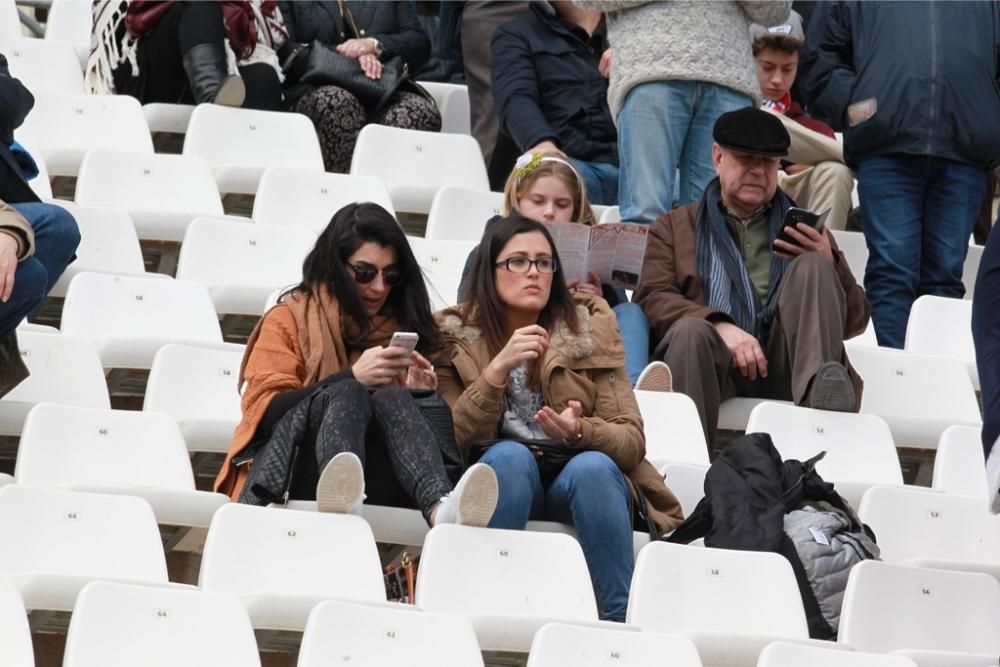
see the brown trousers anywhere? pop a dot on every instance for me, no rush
(808, 331)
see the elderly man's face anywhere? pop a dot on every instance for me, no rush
(747, 180)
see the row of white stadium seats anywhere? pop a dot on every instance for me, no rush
(506, 584)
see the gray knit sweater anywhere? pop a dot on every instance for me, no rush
(706, 40)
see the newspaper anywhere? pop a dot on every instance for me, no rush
(612, 251)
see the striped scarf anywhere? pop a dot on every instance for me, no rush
(727, 283)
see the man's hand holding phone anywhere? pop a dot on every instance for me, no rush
(803, 232)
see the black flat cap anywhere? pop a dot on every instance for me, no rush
(750, 130)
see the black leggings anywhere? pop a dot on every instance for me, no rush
(161, 52)
(384, 427)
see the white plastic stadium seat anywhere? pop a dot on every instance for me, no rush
(55, 542)
(163, 117)
(611, 214)
(240, 144)
(935, 617)
(384, 634)
(897, 390)
(730, 603)
(414, 165)
(197, 386)
(859, 448)
(108, 244)
(10, 22)
(687, 482)
(15, 635)
(452, 100)
(461, 215)
(958, 463)
(64, 369)
(121, 452)
(241, 264)
(561, 644)
(130, 318)
(162, 193)
(441, 263)
(673, 429)
(855, 250)
(70, 21)
(43, 65)
(866, 338)
(120, 625)
(282, 563)
(734, 413)
(310, 198)
(40, 184)
(785, 654)
(64, 126)
(971, 270)
(938, 325)
(508, 583)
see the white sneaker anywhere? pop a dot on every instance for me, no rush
(655, 377)
(473, 500)
(341, 486)
(993, 477)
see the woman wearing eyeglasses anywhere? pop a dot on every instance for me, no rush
(328, 408)
(538, 389)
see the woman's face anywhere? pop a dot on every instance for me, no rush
(369, 257)
(529, 291)
(548, 199)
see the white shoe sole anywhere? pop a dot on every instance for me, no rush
(232, 92)
(656, 377)
(341, 485)
(478, 498)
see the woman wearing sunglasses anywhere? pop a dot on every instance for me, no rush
(328, 404)
(536, 380)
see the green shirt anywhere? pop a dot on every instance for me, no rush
(752, 238)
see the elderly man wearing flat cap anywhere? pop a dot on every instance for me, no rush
(738, 311)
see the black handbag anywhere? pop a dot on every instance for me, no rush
(550, 455)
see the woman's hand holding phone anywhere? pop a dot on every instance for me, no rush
(421, 373)
(380, 366)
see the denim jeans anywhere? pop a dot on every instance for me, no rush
(634, 328)
(600, 179)
(986, 334)
(591, 494)
(919, 212)
(664, 129)
(56, 239)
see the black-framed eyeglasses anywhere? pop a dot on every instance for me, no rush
(365, 273)
(523, 264)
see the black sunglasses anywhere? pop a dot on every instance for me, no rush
(365, 273)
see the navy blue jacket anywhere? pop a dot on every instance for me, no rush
(15, 103)
(546, 86)
(930, 67)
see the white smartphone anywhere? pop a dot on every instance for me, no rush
(405, 339)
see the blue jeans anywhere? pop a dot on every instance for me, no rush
(56, 239)
(919, 212)
(986, 334)
(665, 128)
(590, 494)
(634, 328)
(600, 180)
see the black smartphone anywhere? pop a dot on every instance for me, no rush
(793, 217)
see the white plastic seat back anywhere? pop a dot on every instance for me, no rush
(680, 588)
(163, 193)
(561, 644)
(40, 184)
(913, 522)
(56, 541)
(958, 463)
(10, 22)
(893, 607)
(43, 65)
(673, 429)
(15, 635)
(414, 164)
(165, 117)
(130, 318)
(64, 369)
(65, 445)
(327, 555)
(855, 250)
(242, 264)
(118, 625)
(240, 144)
(896, 389)
(786, 654)
(461, 215)
(939, 325)
(610, 215)
(866, 338)
(70, 21)
(64, 126)
(310, 198)
(971, 270)
(687, 482)
(442, 263)
(197, 386)
(453, 102)
(370, 634)
(108, 244)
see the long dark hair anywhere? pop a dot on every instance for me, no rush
(326, 264)
(484, 307)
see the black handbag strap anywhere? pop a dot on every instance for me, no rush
(348, 17)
